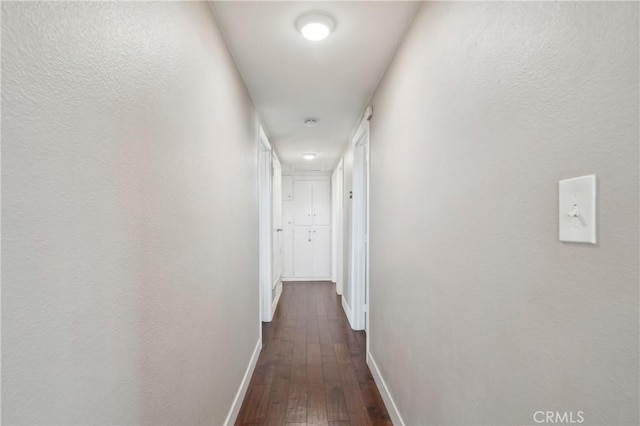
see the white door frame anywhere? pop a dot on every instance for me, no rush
(337, 192)
(265, 226)
(360, 230)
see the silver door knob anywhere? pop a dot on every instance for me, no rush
(279, 230)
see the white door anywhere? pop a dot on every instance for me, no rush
(276, 268)
(359, 231)
(302, 193)
(287, 237)
(358, 235)
(321, 239)
(287, 188)
(303, 256)
(265, 228)
(321, 202)
(337, 226)
(365, 231)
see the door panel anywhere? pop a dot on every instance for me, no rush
(303, 252)
(276, 221)
(321, 238)
(302, 190)
(287, 243)
(287, 188)
(321, 202)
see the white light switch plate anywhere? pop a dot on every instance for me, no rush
(577, 209)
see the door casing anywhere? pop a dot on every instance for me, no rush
(265, 230)
(359, 256)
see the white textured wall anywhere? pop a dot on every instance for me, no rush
(479, 314)
(129, 221)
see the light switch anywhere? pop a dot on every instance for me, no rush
(577, 209)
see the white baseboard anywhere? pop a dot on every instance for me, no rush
(347, 311)
(237, 401)
(392, 409)
(277, 299)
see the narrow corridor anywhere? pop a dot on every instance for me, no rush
(187, 185)
(312, 369)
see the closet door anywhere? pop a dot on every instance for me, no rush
(321, 238)
(276, 221)
(303, 252)
(287, 188)
(321, 202)
(287, 236)
(302, 202)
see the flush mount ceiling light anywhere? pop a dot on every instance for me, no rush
(315, 26)
(311, 122)
(309, 156)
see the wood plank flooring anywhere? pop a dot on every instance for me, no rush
(312, 369)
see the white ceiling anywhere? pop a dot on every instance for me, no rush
(291, 79)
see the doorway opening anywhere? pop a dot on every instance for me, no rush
(360, 230)
(270, 229)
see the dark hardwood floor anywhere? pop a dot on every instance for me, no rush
(312, 369)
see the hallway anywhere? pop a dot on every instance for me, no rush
(335, 213)
(312, 369)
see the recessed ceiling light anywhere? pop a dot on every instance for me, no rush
(309, 156)
(315, 26)
(311, 122)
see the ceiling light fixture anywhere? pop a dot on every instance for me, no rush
(311, 122)
(315, 26)
(309, 156)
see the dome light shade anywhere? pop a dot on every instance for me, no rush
(315, 26)
(309, 156)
